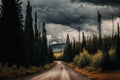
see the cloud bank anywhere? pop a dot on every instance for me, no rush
(100, 2)
(72, 14)
(69, 16)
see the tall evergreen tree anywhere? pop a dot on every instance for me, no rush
(44, 43)
(12, 38)
(39, 31)
(74, 48)
(118, 30)
(41, 54)
(112, 26)
(29, 35)
(68, 55)
(118, 45)
(99, 29)
(36, 44)
(79, 44)
(50, 54)
(94, 44)
(83, 45)
(36, 30)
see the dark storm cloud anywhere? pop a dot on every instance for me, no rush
(70, 13)
(101, 2)
(68, 16)
(61, 12)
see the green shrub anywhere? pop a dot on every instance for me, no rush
(76, 60)
(113, 60)
(105, 65)
(97, 59)
(104, 60)
(83, 60)
(100, 60)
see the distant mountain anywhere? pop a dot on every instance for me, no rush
(58, 47)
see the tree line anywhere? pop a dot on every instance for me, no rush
(22, 43)
(95, 43)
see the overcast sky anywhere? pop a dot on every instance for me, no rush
(67, 16)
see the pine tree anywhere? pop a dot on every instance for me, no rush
(83, 45)
(41, 54)
(68, 55)
(39, 31)
(44, 44)
(29, 35)
(94, 44)
(12, 38)
(44, 32)
(99, 29)
(50, 54)
(74, 52)
(79, 44)
(118, 45)
(36, 30)
(118, 30)
(112, 26)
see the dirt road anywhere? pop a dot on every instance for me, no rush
(59, 72)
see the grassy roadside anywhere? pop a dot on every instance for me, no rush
(96, 74)
(10, 73)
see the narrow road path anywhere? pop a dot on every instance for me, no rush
(59, 72)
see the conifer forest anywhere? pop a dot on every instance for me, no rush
(58, 39)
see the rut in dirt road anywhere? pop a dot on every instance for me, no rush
(59, 72)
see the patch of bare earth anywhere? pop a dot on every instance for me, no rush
(96, 74)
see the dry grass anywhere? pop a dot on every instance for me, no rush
(14, 72)
(100, 59)
(96, 73)
(58, 54)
